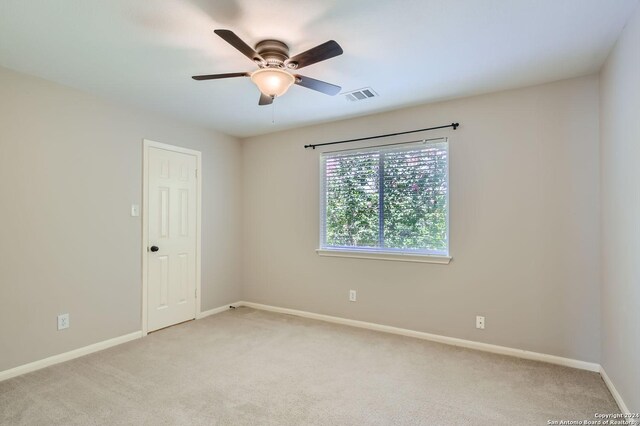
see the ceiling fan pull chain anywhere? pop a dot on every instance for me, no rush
(273, 113)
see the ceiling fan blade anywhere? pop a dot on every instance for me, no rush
(317, 85)
(217, 76)
(231, 38)
(316, 54)
(265, 99)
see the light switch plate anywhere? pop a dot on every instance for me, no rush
(135, 210)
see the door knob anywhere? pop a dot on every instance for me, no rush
(154, 249)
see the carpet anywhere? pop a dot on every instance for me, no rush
(251, 367)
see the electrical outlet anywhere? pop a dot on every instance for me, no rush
(480, 322)
(352, 295)
(63, 321)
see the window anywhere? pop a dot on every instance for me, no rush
(390, 199)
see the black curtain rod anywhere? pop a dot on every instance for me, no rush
(454, 125)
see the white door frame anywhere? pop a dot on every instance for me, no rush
(145, 225)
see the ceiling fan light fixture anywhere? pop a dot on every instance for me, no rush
(272, 81)
(272, 56)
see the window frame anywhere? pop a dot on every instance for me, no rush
(399, 254)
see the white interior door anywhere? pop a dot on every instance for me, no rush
(172, 226)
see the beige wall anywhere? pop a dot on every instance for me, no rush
(524, 220)
(70, 168)
(525, 208)
(620, 153)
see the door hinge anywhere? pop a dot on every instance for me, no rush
(196, 293)
(196, 173)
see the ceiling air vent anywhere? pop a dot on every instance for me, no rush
(360, 94)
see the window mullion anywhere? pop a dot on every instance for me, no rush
(381, 200)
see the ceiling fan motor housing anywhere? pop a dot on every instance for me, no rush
(274, 75)
(275, 53)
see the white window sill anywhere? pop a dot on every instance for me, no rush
(399, 257)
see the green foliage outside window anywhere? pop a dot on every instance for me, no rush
(411, 186)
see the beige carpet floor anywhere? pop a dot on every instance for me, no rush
(249, 367)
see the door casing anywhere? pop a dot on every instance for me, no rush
(145, 223)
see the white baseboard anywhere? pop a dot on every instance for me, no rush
(67, 356)
(217, 310)
(86, 350)
(615, 394)
(486, 347)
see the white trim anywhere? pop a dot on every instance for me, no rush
(217, 310)
(389, 146)
(86, 350)
(67, 356)
(615, 394)
(198, 233)
(385, 255)
(393, 255)
(146, 143)
(486, 347)
(145, 235)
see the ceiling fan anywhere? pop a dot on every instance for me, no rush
(272, 57)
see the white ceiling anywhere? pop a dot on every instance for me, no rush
(410, 51)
